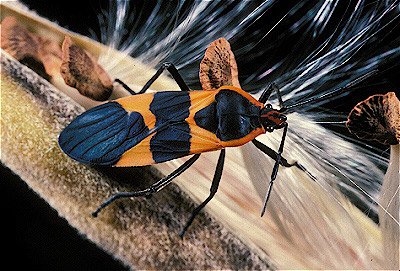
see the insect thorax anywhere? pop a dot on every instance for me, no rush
(230, 116)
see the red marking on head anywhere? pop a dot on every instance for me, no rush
(274, 116)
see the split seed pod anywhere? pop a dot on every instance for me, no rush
(376, 118)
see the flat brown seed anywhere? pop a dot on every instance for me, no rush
(80, 70)
(22, 45)
(376, 118)
(218, 67)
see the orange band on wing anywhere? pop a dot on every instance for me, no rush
(140, 103)
(140, 155)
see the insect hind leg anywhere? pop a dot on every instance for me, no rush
(153, 189)
(213, 191)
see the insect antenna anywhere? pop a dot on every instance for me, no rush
(332, 93)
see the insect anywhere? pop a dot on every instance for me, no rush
(149, 128)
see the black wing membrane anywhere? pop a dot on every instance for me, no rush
(101, 135)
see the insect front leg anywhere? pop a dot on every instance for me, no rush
(268, 91)
(273, 154)
(213, 190)
(282, 161)
(153, 189)
(275, 168)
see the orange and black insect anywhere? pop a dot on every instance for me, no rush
(149, 128)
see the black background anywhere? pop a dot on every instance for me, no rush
(39, 238)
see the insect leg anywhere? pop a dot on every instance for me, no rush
(271, 153)
(268, 91)
(173, 71)
(213, 190)
(125, 86)
(283, 162)
(153, 189)
(275, 169)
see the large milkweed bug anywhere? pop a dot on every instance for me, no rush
(149, 128)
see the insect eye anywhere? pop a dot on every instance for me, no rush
(268, 106)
